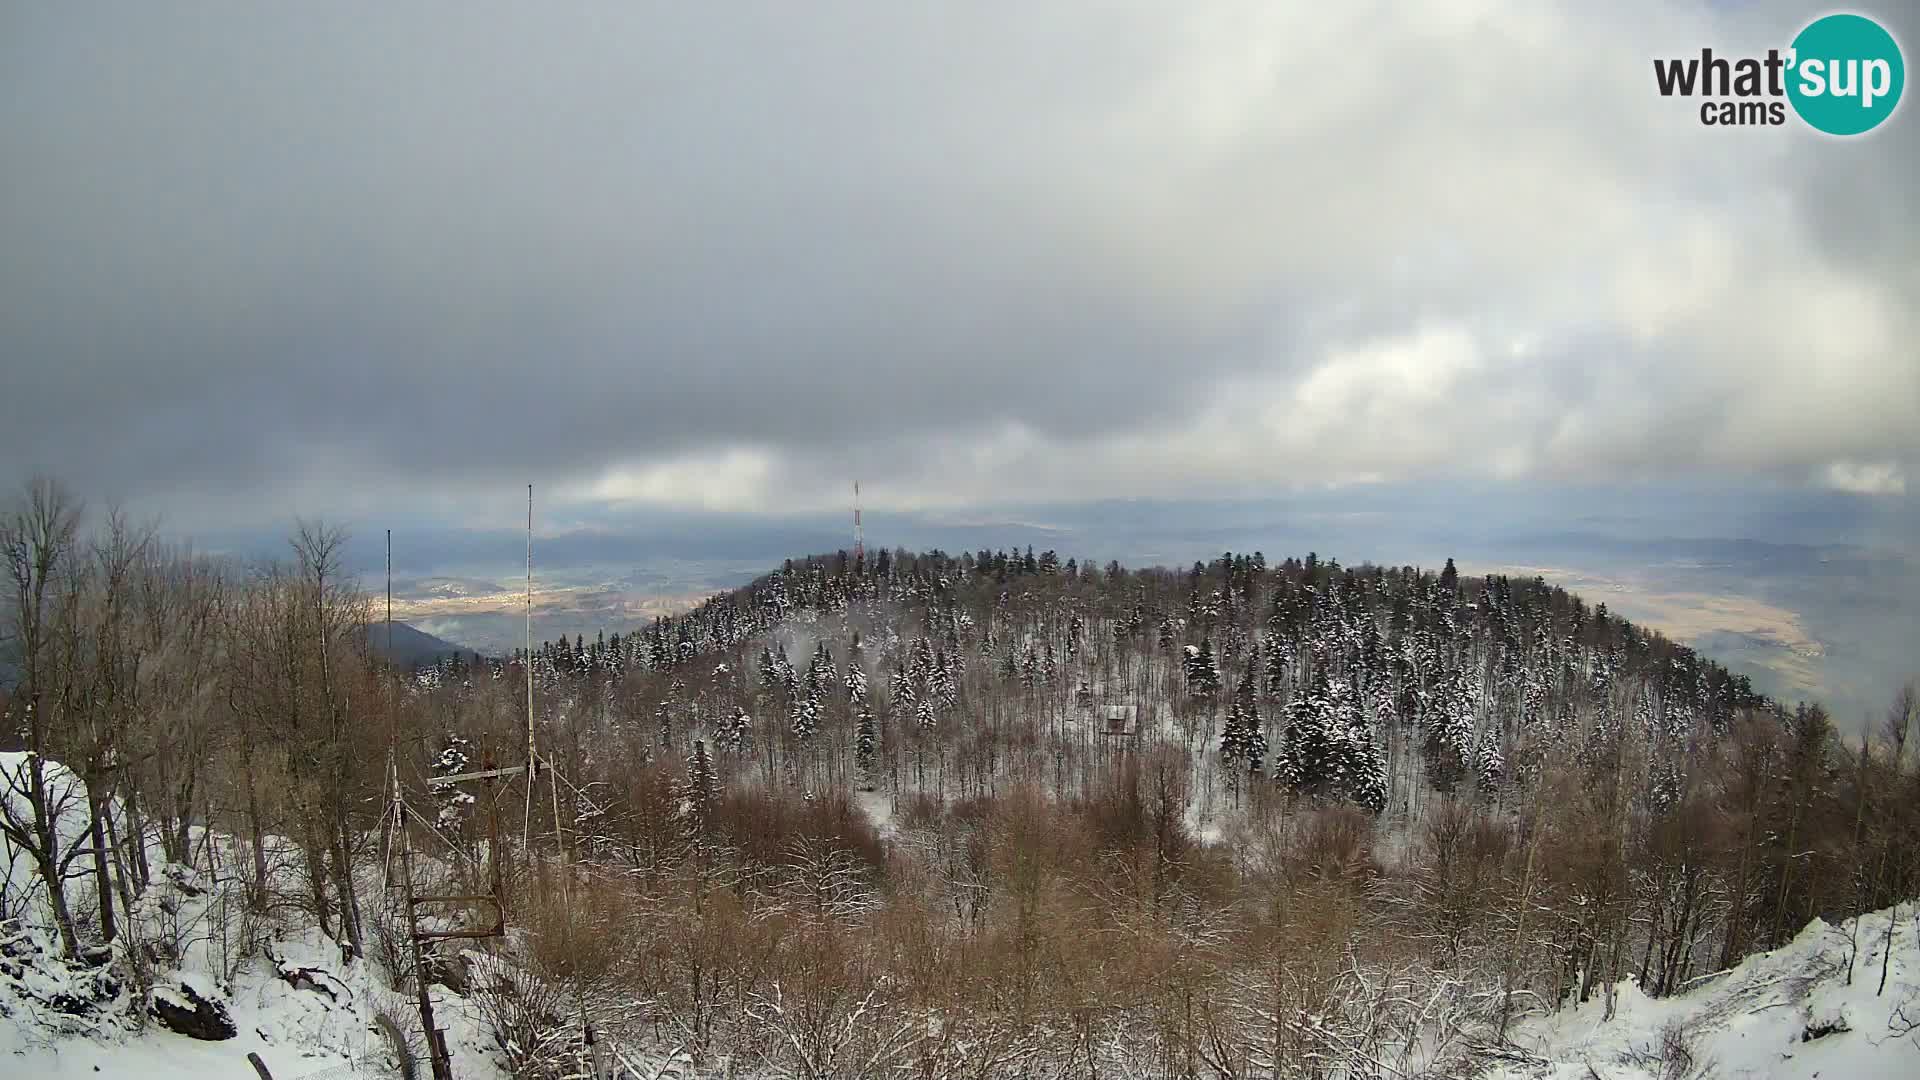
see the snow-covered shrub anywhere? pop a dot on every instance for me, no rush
(1674, 1055)
(527, 1016)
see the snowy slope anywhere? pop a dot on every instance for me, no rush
(67, 796)
(1790, 1014)
(297, 1006)
(292, 1001)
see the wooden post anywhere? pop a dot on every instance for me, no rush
(494, 876)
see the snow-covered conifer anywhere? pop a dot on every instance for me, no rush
(702, 789)
(856, 680)
(455, 805)
(1203, 673)
(735, 731)
(1242, 742)
(864, 743)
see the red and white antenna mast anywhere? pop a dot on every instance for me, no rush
(859, 536)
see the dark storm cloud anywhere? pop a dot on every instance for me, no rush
(727, 255)
(381, 236)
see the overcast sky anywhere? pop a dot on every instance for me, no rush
(353, 259)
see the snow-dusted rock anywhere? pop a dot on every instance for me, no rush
(190, 1007)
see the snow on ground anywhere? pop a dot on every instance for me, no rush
(1789, 1014)
(67, 796)
(879, 809)
(297, 1005)
(293, 1000)
(1793, 1013)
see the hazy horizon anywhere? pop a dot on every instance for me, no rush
(1812, 594)
(1181, 285)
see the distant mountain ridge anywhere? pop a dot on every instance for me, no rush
(410, 647)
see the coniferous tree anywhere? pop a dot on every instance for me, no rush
(1328, 748)
(864, 744)
(900, 690)
(734, 732)
(1203, 673)
(820, 672)
(455, 805)
(944, 676)
(856, 675)
(1365, 767)
(1305, 760)
(1450, 728)
(664, 714)
(1243, 745)
(1279, 666)
(702, 788)
(804, 714)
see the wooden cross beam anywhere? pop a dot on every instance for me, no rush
(483, 774)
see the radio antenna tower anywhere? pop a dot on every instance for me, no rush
(859, 537)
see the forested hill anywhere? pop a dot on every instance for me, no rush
(1483, 674)
(1306, 616)
(1685, 818)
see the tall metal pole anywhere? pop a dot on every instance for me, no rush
(393, 729)
(530, 759)
(436, 1043)
(533, 764)
(559, 837)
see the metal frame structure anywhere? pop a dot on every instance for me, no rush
(421, 940)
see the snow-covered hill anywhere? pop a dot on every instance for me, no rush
(1796, 1013)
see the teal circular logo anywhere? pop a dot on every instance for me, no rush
(1846, 74)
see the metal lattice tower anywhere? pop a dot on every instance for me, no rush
(859, 536)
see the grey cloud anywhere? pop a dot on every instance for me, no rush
(252, 259)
